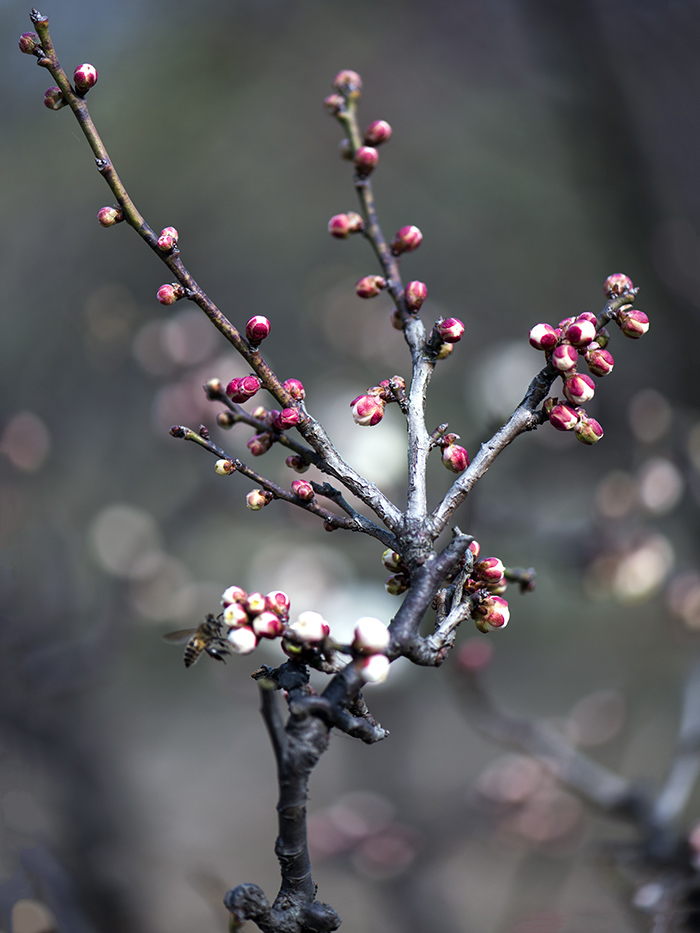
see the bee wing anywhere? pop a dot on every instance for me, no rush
(179, 637)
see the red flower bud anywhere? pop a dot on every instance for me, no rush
(564, 358)
(259, 444)
(53, 98)
(169, 294)
(297, 463)
(240, 390)
(367, 410)
(455, 458)
(108, 216)
(303, 490)
(617, 284)
(287, 418)
(369, 286)
(406, 239)
(633, 323)
(588, 430)
(366, 159)
(563, 418)
(84, 77)
(28, 42)
(543, 337)
(348, 83)
(377, 133)
(257, 329)
(580, 332)
(415, 294)
(579, 388)
(600, 362)
(450, 329)
(295, 389)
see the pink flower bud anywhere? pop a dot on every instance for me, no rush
(53, 98)
(564, 358)
(333, 104)
(259, 444)
(377, 133)
(489, 569)
(268, 625)
(455, 458)
(543, 337)
(617, 284)
(633, 323)
(169, 294)
(310, 627)
(579, 388)
(580, 332)
(406, 240)
(371, 635)
(588, 430)
(367, 410)
(224, 467)
(370, 285)
(492, 613)
(563, 418)
(374, 669)
(392, 560)
(242, 640)
(600, 362)
(257, 499)
(84, 77)
(366, 159)
(108, 216)
(255, 603)
(450, 330)
(257, 329)
(240, 390)
(415, 294)
(277, 601)
(287, 418)
(348, 83)
(303, 490)
(28, 42)
(233, 594)
(396, 584)
(295, 389)
(297, 463)
(235, 615)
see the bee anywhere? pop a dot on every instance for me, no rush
(206, 637)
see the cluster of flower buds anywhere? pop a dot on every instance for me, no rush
(577, 337)
(167, 241)
(454, 457)
(249, 617)
(368, 410)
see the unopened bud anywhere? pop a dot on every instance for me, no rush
(633, 323)
(295, 389)
(617, 284)
(563, 418)
(366, 159)
(169, 294)
(224, 467)
(297, 463)
(109, 216)
(377, 133)
(406, 240)
(543, 337)
(374, 669)
(455, 458)
(303, 490)
(257, 329)
(564, 358)
(53, 98)
(599, 362)
(579, 388)
(310, 627)
(84, 77)
(257, 499)
(348, 83)
(588, 430)
(369, 286)
(371, 635)
(415, 294)
(242, 640)
(29, 42)
(367, 410)
(450, 330)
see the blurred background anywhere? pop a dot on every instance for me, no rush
(539, 146)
